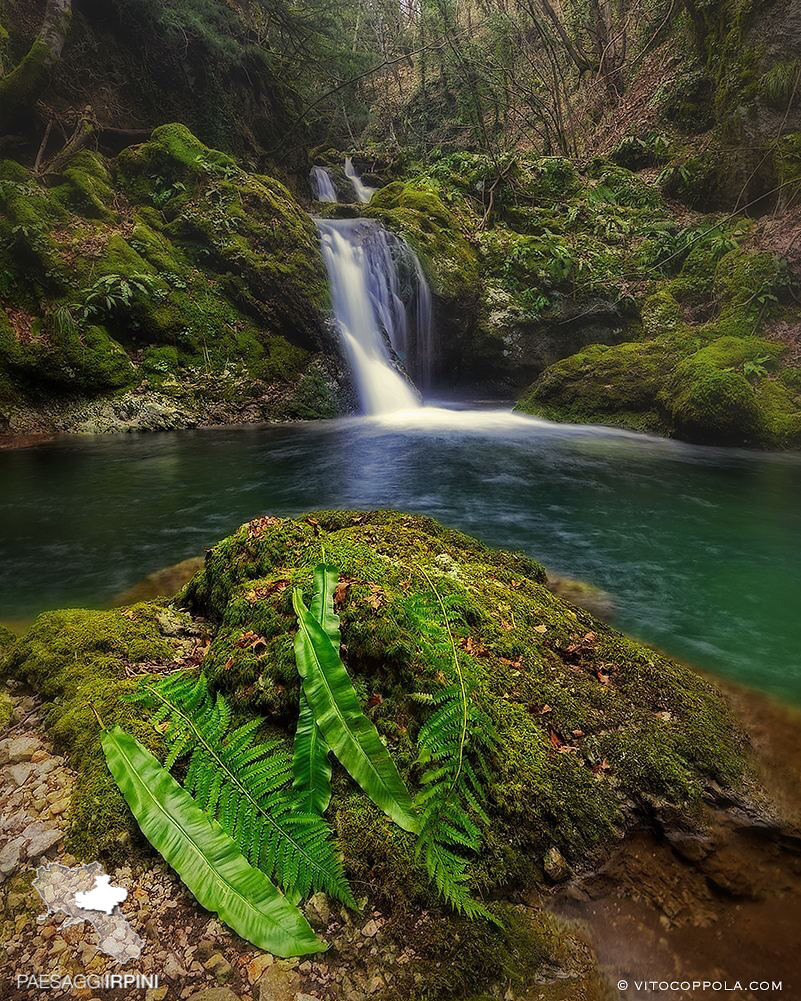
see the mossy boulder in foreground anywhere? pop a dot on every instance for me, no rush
(595, 730)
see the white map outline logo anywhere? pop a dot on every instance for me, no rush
(85, 893)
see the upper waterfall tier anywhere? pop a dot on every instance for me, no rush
(382, 306)
(322, 185)
(362, 191)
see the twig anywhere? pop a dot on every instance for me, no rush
(43, 146)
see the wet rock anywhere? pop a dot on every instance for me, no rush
(690, 846)
(555, 866)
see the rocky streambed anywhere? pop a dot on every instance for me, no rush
(640, 824)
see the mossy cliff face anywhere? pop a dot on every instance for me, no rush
(716, 381)
(594, 728)
(168, 273)
(583, 283)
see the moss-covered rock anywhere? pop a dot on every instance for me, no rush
(419, 214)
(168, 264)
(81, 663)
(616, 385)
(711, 381)
(591, 725)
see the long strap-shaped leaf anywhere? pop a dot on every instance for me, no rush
(322, 603)
(302, 859)
(347, 731)
(310, 765)
(203, 855)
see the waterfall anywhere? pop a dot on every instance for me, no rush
(361, 190)
(322, 185)
(382, 305)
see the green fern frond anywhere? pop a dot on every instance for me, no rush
(310, 765)
(453, 745)
(244, 786)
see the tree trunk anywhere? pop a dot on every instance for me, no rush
(23, 86)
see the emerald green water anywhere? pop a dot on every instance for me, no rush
(700, 547)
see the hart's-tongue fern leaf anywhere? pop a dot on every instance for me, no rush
(310, 764)
(244, 785)
(453, 746)
(203, 855)
(348, 732)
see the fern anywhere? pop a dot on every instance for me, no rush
(310, 765)
(454, 744)
(243, 785)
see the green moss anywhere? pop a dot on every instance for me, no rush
(77, 660)
(455, 959)
(28, 214)
(499, 605)
(698, 180)
(6, 712)
(87, 187)
(172, 160)
(660, 313)
(612, 385)
(420, 215)
(779, 403)
(20, 89)
(711, 403)
(588, 721)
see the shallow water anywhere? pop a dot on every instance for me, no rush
(700, 547)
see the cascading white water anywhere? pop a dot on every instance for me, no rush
(364, 264)
(322, 185)
(362, 191)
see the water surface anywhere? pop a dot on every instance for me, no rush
(700, 547)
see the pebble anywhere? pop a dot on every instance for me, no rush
(10, 856)
(19, 773)
(219, 966)
(23, 748)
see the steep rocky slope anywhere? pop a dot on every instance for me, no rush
(162, 288)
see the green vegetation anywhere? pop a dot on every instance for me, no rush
(241, 784)
(167, 270)
(574, 704)
(203, 855)
(344, 726)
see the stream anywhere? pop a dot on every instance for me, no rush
(699, 547)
